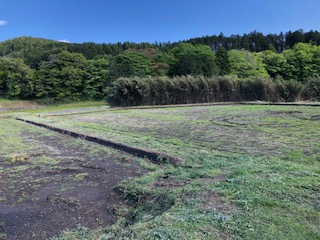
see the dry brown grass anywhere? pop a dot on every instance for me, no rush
(18, 104)
(18, 158)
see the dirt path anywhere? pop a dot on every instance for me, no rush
(64, 183)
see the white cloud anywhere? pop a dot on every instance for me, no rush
(3, 22)
(64, 40)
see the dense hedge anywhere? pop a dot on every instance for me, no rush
(189, 89)
(311, 90)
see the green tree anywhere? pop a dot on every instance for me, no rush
(16, 78)
(130, 64)
(161, 63)
(193, 60)
(316, 60)
(62, 77)
(302, 62)
(96, 77)
(223, 61)
(246, 65)
(274, 63)
(160, 60)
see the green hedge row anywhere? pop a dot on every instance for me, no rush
(197, 89)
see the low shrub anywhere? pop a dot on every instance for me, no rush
(311, 90)
(289, 91)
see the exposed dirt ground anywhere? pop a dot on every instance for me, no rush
(64, 183)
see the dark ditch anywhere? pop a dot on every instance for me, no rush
(155, 156)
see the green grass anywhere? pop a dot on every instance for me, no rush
(249, 172)
(2, 100)
(252, 130)
(80, 176)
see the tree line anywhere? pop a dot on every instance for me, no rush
(33, 68)
(34, 50)
(257, 41)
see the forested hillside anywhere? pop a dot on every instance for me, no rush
(34, 68)
(257, 42)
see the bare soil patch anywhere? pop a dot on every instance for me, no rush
(66, 183)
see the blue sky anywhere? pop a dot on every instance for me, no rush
(112, 21)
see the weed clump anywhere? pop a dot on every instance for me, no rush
(15, 158)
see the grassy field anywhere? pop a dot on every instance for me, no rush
(249, 172)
